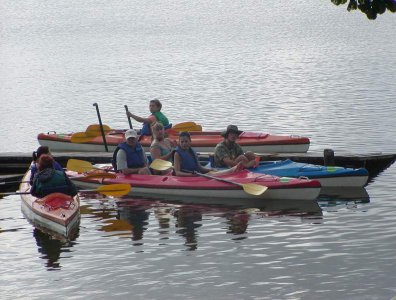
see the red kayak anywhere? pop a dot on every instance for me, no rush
(202, 141)
(208, 190)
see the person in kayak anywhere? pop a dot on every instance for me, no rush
(186, 161)
(129, 157)
(155, 107)
(161, 147)
(36, 155)
(228, 153)
(48, 180)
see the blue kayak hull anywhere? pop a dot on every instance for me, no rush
(328, 176)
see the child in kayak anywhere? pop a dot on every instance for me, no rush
(186, 161)
(36, 155)
(48, 180)
(156, 116)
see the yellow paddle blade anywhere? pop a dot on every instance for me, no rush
(81, 137)
(79, 166)
(94, 130)
(254, 189)
(116, 190)
(183, 125)
(187, 126)
(160, 164)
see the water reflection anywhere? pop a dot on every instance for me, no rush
(51, 246)
(137, 217)
(188, 218)
(369, 7)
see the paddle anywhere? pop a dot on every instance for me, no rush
(82, 166)
(116, 190)
(128, 117)
(94, 175)
(160, 165)
(90, 133)
(186, 126)
(249, 188)
(101, 127)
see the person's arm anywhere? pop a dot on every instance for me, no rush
(177, 166)
(122, 164)
(149, 120)
(155, 151)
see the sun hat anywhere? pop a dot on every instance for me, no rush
(231, 128)
(130, 133)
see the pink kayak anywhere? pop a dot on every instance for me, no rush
(57, 213)
(207, 190)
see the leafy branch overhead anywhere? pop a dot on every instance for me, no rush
(370, 7)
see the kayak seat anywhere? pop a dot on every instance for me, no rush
(56, 201)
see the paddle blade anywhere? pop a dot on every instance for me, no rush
(160, 164)
(94, 130)
(79, 166)
(187, 126)
(183, 125)
(254, 189)
(80, 137)
(115, 190)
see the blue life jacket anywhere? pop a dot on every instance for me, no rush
(135, 157)
(188, 159)
(146, 129)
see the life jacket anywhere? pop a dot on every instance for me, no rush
(51, 181)
(188, 159)
(161, 118)
(34, 169)
(135, 157)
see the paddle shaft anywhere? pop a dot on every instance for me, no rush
(13, 182)
(129, 118)
(101, 126)
(216, 178)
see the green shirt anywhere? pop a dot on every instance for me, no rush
(161, 118)
(222, 152)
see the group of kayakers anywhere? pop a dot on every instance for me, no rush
(130, 157)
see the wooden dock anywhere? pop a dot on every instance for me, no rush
(375, 163)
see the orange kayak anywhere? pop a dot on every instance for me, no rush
(204, 141)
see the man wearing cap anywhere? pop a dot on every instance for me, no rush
(228, 153)
(130, 157)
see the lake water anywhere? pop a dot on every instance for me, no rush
(285, 67)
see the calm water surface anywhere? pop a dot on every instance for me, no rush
(298, 67)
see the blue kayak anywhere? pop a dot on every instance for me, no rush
(328, 176)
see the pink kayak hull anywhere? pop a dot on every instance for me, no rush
(57, 213)
(205, 188)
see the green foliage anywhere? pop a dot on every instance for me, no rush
(369, 7)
